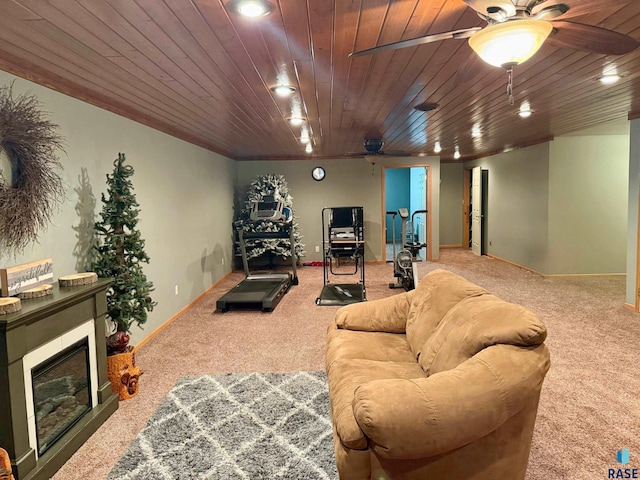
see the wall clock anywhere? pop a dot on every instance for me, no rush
(318, 173)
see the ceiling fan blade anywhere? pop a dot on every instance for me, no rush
(395, 153)
(590, 38)
(462, 33)
(551, 12)
(577, 8)
(487, 7)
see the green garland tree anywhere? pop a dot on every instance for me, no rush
(120, 254)
(261, 186)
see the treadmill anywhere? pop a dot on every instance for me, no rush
(262, 291)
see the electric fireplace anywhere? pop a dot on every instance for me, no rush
(54, 388)
(61, 394)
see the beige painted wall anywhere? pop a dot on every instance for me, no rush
(588, 196)
(560, 207)
(185, 194)
(451, 207)
(517, 216)
(632, 212)
(349, 182)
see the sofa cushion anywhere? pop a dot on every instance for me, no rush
(436, 293)
(345, 376)
(344, 344)
(475, 324)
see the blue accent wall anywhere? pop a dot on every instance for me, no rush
(398, 195)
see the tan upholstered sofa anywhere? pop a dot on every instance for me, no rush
(441, 382)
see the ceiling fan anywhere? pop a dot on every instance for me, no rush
(373, 147)
(516, 29)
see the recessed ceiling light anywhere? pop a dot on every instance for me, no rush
(283, 90)
(475, 131)
(251, 8)
(610, 78)
(456, 154)
(296, 121)
(308, 148)
(437, 148)
(525, 110)
(304, 135)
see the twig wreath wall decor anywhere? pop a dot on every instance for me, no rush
(30, 188)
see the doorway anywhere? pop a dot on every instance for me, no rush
(475, 202)
(406, 187)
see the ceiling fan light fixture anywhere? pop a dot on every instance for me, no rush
(251, 8)
(510, 43)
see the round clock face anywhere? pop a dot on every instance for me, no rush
(318, 173)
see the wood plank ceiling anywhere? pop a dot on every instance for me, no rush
(198, 71)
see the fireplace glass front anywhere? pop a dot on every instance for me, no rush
(61, 393)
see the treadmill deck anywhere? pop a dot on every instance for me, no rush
(262, 292)
(342, 294)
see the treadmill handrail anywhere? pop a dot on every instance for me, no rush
(257, 235)
(264, 235)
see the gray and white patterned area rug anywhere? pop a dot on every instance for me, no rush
(236, 426)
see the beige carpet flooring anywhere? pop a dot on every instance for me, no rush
(589, 408)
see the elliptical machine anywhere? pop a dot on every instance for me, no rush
(405, 267)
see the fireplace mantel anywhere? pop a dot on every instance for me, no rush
(39, 321)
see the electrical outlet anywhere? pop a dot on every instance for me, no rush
(177, 290)
(317, 248)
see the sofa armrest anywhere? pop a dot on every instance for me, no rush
(405, 419)
(382, 315)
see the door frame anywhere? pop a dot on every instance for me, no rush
(636, 307)
(428, 181)
(466, 203)
(466, 209)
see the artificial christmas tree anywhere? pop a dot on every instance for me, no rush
(120, 255)
(269, 185)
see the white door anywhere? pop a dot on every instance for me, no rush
(476, 210)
